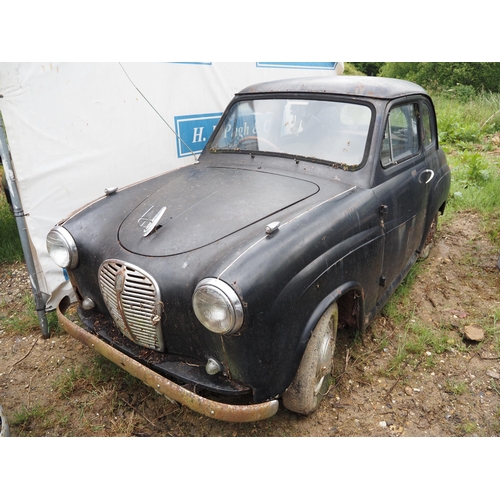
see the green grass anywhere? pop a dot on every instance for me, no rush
(10, 243)
(398, 305)
(27, 318)
(494, 330)
(94, 374)
(417, 343)
(456, 387)
(463, 123)
(28, 417)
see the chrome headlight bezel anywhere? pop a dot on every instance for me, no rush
(211, 294)
(62, 248)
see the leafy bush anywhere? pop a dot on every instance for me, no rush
(475, 168)
(464, 78)
(368, 68)
(351, 70)
(476, 186)
(466, 123)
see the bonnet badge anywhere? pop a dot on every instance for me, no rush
(150, 222)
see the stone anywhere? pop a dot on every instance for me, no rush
(474, 332)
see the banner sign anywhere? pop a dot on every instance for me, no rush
(193, 132)
(299, 65)
(75, 129)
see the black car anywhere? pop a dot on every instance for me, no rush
(222, 284)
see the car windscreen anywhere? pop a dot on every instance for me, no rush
(330, 131)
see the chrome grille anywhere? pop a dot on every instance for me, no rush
(132, 297)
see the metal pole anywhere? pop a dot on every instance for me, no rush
(23, 230)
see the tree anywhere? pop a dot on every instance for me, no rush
(368, 68)
(478, 75)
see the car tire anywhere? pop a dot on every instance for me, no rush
(430, 240)
(314, 376)
(4, 426)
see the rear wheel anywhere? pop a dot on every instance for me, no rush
(430, 240)
(314, 376)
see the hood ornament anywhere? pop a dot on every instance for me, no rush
(149, 223)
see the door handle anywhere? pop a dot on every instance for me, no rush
(423, 175)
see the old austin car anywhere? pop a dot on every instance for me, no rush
(222, 284)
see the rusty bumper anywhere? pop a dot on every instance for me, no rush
(207, 407)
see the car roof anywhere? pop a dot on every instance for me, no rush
(357, 86)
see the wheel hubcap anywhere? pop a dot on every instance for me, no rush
(324, 364)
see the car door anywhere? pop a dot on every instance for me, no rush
(403, 190)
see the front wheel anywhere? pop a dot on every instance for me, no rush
(314, 376)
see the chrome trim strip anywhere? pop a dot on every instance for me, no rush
(285, 224)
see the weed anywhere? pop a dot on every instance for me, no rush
(495, 388)
(494, 331)
(397, 306)
(105, 371)
(26, 319)
(88, 377)
(467, 119)
(455, 387)
(65, 384)
(476, 167)
(468, 428)
(417, 341)
(496, 423)
(27, 417)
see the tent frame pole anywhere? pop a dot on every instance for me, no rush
(22, 229)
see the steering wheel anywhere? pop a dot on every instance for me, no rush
(259, 139)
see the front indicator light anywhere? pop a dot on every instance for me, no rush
(217, 306)
(62, 248)
(88, 304)
(213, 366)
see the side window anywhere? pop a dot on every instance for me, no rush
(400, 135)
(426, 122)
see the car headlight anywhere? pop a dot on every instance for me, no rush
(62, 248)
(217, 306)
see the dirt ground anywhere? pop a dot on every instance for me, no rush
(58, 387)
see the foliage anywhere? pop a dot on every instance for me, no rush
(464, 78)
(475, 76)
(468, 131)
(368, 68)
(351, 70)
(476, 186)
(476, 169)
(465, 124)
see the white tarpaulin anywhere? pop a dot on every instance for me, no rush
(75, 129)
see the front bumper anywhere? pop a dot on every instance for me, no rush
(204, 406)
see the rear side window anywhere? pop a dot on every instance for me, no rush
(426, 126)
(401, 134)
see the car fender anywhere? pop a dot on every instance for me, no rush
(437, 200)
(332, 297)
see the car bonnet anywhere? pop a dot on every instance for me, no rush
(205, 205)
